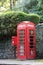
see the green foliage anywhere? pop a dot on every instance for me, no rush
(39, 37)
(9, 21)
(32, 6)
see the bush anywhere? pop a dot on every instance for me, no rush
(9, 21)
(39, 37)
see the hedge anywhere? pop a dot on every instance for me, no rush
(9, 21)
(39, 40)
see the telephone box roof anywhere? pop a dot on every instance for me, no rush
(26, 23)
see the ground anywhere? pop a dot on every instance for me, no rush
(26, 62)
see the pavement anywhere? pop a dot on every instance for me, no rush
(21, 62)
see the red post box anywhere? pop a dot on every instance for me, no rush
(14, 40)
(14, 46)
(26, 44)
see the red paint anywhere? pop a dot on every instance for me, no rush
(14, 40)
(26, 40)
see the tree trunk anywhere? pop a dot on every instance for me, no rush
(11, 4)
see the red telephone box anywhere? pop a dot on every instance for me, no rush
(26, 44)
(31, 41)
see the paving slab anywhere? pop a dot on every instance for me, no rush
(21, 62)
